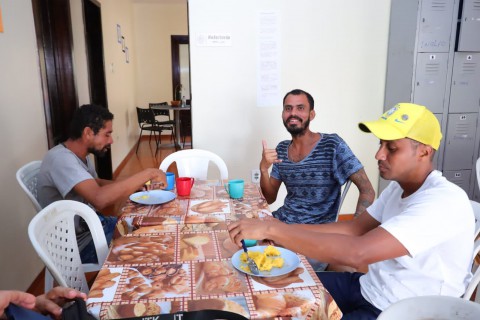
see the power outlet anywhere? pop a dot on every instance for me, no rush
(256, 175)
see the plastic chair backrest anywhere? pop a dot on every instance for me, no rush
(194, 163)
(346, 186)
(27, 179)
(160, 112)
(477, 169)
(52, 234)
(476, 211)
(475, 280)
(432, 307)
(145, 116)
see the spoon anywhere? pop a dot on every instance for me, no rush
(251, 264)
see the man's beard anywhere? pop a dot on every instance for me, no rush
(99, 153)
(297, 130)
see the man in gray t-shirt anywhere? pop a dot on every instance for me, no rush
(67, 172)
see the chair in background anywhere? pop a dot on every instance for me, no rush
(146, 122)
(432, 307)
(52, 234)
(194, 163)
(345, 187)
(476, 211)
(167, 123)
(475, 281)
(27, 179)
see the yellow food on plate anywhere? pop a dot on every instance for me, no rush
(266, 260)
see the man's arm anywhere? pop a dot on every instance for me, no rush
(365, 189)
(101, 195)
(268, 184)
(352, 243)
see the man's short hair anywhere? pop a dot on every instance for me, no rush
(297, 92)
(91, 116)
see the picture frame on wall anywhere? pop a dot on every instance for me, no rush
(119, 33)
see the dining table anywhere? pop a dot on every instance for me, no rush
(176, 116)
(175, 255)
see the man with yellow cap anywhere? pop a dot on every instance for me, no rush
(417, 237)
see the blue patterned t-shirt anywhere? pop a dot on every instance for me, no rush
(314, 183)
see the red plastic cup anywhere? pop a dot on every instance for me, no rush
(184, 185)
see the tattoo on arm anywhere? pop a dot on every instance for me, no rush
(366, 192)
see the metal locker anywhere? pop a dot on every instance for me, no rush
(469, 35)
(465, 90)
(438, 158)
(430, 79)
(435, 25)
(460, 141)
(460, 177)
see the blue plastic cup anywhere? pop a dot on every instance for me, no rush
(170, 180)
(235, 188)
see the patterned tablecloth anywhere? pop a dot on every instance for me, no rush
(177, 257)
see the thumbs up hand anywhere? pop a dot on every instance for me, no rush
(269, 157)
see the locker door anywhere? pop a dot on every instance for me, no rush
(435, 25)
(469, 36)
(460, 177)
(465, 91)
(430, 79)
(460, 141)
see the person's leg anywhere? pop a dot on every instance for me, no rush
(88, 253)
(108, 223)
(345, 290)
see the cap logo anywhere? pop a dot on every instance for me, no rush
(404, 117)
(391, 111)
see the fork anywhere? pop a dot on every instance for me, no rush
(251, 264)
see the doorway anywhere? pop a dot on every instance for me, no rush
(96, 74)
(181, 78)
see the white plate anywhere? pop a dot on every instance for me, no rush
(152, 197)
(291, 262)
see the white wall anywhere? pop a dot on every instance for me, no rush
(120, 76)
(23, 139)
(336, 50)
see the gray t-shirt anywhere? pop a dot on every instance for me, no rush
(61, 170)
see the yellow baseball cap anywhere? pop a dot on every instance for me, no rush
(406, 120)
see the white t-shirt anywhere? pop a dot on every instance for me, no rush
(436, 225)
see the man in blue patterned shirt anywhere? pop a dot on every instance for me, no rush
(313, 166)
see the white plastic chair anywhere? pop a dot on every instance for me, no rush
(27, 179)
(52, 234)
(194, 163)
(346, 186)
(477, 169)
(432, 307)
(475, 281)
(476, 211)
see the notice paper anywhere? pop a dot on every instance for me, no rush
(268, 59)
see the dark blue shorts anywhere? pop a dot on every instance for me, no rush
(88, 254)
(345, 290)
